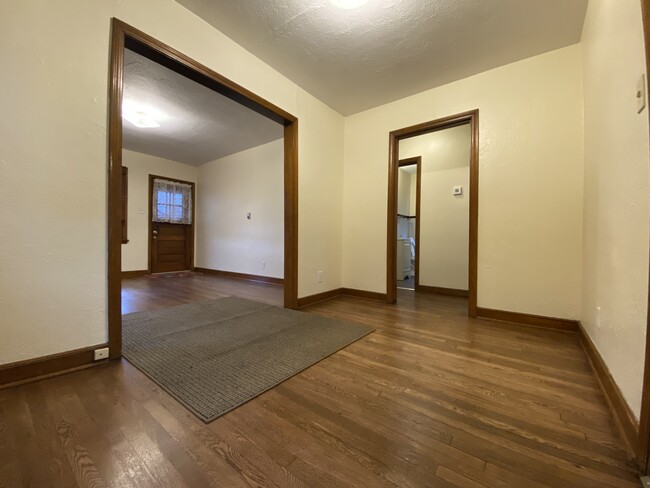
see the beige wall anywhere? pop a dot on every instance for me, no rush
(615, 266)
(404, 192)
(444, 218)
(135, 254)
(249, 181)
(530, 218)
(53, 162)
(321, 196)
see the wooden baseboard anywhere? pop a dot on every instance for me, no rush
(48, 366)
(135, 274)
(319, 297)
(366, 295)
(337, 292)
(241, 276)
(528, 319)
(621, 411)
(437, 290)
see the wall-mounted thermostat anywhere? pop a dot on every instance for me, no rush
(458, 190)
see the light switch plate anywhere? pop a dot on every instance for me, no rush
(640, 94)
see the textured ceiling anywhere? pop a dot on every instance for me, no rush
(197, 125)
(388, 49)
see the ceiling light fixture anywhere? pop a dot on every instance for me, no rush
(348, 4)
(138, 116)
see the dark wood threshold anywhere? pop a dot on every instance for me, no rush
(337, 292)
(566, 325)
(135, 274)
(437, 290)
(48, 366)
(621, 411)
(241, 276)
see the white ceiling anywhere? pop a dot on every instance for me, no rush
(388, 49)
(197, 125)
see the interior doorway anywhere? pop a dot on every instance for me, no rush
(408, 222)
(450, 227)
(125, 37)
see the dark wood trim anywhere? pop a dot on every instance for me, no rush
(621, 411)
(566, 325)
(47, 366)
(437, 290)
(123, 35)
(135, 273)
(643, 446)
(125, 205)
(471, 118)
(410, 161)
(118, 36)
(291, 215)
(319, 297)
(366, 295)
(241, 276)
(338, 292)
(190, 247)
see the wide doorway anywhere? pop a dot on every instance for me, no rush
(197, 201)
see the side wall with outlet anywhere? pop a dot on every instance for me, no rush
(444, 217)
(250, 181)
(616, 192)
(530, 182)
(135, 253)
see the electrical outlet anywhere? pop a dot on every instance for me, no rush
(320, 276)
(101, 353)
(598, 317)
(263, 264)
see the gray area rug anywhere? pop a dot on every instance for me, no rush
(213, 356)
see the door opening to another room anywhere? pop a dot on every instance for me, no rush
(408, 210)
(433, 208)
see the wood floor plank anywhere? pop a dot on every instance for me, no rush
(432, 398)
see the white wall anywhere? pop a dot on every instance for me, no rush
(404, 197)
(404, 192)
(248, 181)
(530, 184)
(53, 162)
(615, 266)
(135, 253)
(444, 217)
(321, 196)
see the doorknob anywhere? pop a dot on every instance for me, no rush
(155, 232)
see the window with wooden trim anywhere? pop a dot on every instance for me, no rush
(125, 201)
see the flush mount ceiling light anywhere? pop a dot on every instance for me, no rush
(348, 4)
(138, 115)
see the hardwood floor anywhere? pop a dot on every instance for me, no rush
(430, 399)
